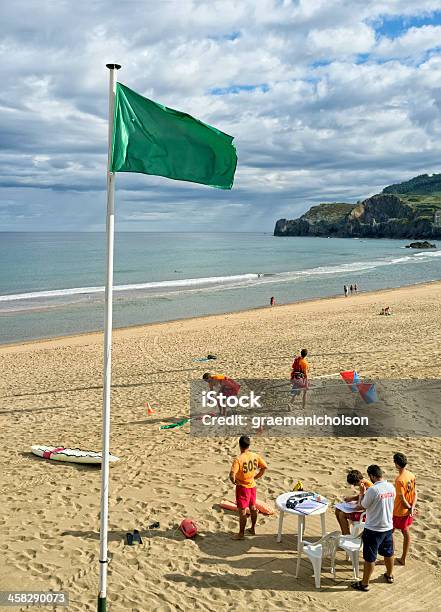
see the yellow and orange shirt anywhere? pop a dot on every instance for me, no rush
(227, 385)
(244, 469)
(218, 377)
(299, 365)
(404, 485)
(367, 483)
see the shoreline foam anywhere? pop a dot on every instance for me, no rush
(139, 327)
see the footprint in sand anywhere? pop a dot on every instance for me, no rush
(428, 498)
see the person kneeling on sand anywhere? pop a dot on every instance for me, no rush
(354, 478)
(244, 474)
(227, 387)
(405, 501)
(377, 536)
(386, 311)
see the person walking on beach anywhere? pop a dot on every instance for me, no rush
(405, 501)
(272, 301)
(351, 289)
(245, 470)
(355, 288)
(300, 376)
(227, 387)
(377, 537)
(345, 289)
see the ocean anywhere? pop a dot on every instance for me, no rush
(51, 284)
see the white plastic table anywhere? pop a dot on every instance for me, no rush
(281, 505)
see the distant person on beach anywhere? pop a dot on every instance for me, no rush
(227, 386)
(300, 376)
(377, 537)
(355, 288)
(245, 470)
(351, 289)
(405, 502)
(345, 290)
(386, 311)
(272, 301)
(356, 479)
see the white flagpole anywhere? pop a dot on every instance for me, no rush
(102, 596)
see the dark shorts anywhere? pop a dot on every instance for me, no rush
(377, 543)
(245, 497)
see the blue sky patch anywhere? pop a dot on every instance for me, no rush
(235, 89)
(394, 27)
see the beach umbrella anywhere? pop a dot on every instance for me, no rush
(351, 378)
(149, 138)
(368, 392)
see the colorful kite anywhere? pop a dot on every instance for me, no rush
(368, 392)
(351, 378)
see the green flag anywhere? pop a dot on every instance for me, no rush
(153, 139)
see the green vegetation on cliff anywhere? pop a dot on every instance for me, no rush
(405, 210)
(421, 185)
(332, 211)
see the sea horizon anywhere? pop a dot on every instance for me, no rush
(51, 287)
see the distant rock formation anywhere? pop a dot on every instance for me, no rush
(390, 214)
(421, 245)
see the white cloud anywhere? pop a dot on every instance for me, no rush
(412, 44)
(346, 41)
(323, 126)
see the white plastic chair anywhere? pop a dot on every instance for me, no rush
(358, 526)
(326, 547)
(352, 546)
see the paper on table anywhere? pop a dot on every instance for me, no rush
(347, 507)
(307, 507)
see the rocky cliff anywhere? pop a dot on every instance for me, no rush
(390, 214)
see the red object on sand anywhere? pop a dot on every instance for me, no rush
(188, 528)
(150, 409)
(47, 454)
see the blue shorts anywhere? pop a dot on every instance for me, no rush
(297, 386)
(377, 543)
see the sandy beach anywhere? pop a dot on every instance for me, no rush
(51, 393)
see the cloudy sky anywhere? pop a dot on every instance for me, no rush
(327, 100)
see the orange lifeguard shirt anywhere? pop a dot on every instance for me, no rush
(302, 366)
(367, 483)
(228, 385)
(299, 365)
(244, 468)
(404, 485)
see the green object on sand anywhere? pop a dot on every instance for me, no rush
(173, 425)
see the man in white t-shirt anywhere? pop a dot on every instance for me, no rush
(378, 501)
